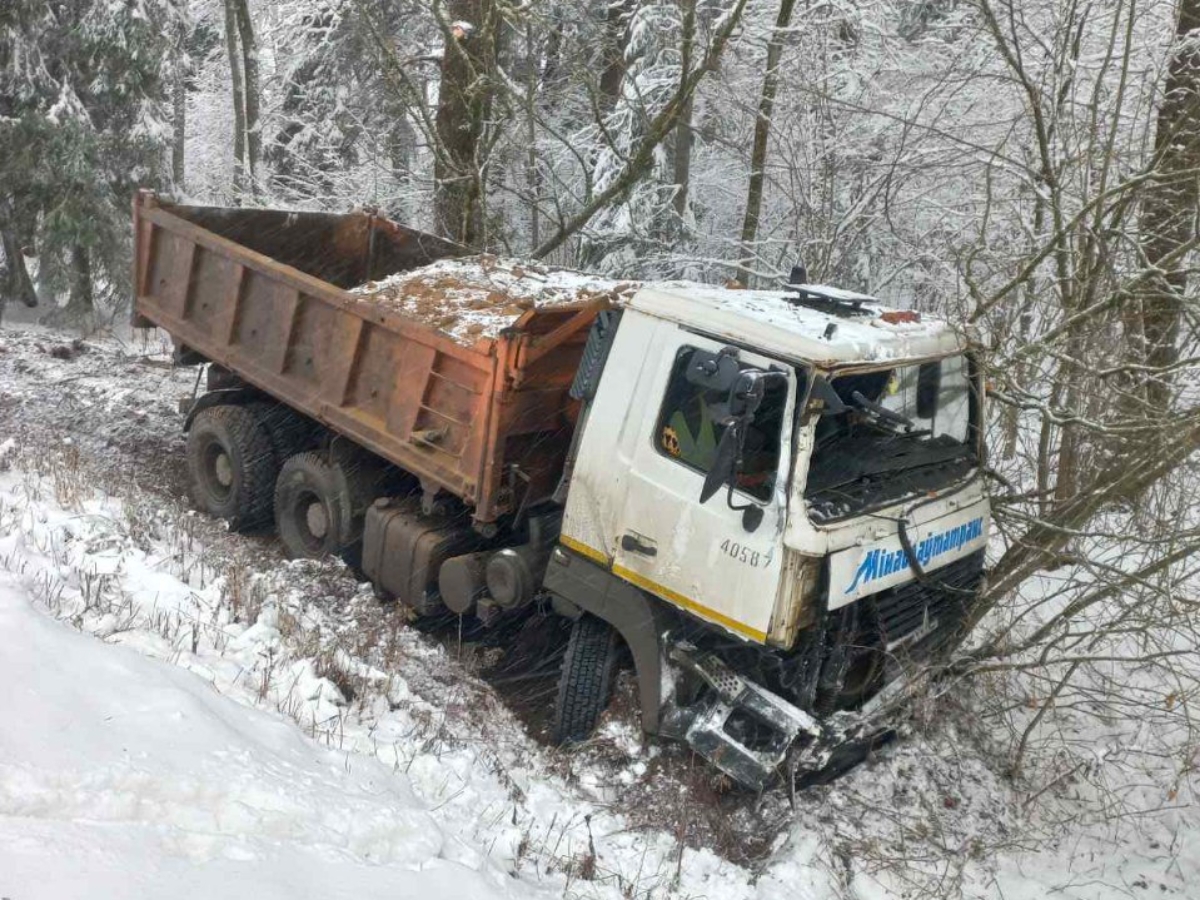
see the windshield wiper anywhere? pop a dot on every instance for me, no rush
(881, 412)
(852, 467)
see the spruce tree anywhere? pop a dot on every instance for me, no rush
(84, 120)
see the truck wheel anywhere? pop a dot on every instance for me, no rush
(231, 466)
(586, 679)
(313, 509)
(290, 434)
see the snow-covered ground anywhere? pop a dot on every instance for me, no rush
(185, 713)
(125, 776)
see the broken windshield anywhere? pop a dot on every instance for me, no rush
(885, 435)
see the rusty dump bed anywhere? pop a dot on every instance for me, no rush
(264, 294)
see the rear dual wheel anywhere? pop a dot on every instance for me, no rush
(290, 433)
(232, 466)
(234, 454)
(314, 508)
(246, 465)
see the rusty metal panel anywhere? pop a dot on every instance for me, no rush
(208, 268)
(489, 423)
(343, 250)
(371, 387)
(260, 332)
(309, 358)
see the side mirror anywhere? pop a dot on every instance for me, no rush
(745, 397)
(723, 469)
(713, 371)
(929, 386)
(747, 393)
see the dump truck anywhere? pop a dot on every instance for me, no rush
(771, 501)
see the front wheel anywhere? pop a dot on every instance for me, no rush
(586, 680)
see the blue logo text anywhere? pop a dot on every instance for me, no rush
(881, 563)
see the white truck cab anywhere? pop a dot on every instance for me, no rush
(794, 476)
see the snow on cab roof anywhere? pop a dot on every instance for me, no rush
(777, 323)
(476, 297)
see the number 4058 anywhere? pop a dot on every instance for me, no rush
(742, 553)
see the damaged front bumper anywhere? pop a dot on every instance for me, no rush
(739, 726)
(749, 732)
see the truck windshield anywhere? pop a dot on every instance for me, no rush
(896, 433)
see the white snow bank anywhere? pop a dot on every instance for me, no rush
(477, 297)
(121, 776)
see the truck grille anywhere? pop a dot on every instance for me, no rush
(920, 619)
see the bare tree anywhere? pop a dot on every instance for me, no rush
(1170, 208)
(1062, 371)
(239, 95)
(1087, 608)
(252, 125)
(471, 30)
(636, 165)
(762, 135)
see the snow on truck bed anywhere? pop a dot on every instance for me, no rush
(479, 296)
(476, 297)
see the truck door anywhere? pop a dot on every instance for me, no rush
(701, 557)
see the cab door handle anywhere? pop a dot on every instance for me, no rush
(632, 544)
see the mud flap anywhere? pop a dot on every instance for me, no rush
(719, 726)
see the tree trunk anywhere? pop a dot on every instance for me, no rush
(682, 174)
(16, 284)
(239, 97)
(179, 124)
(179, 90)
(1169, 213)
(683, 131)
(80, 301)
(402, 145)
(612, 51)
(533, 181)
(683, 159)
(250, 89)
(552, 56)
(464, 102)
(762, 134)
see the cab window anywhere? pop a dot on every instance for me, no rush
(693, 418)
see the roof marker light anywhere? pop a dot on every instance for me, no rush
(900, 316)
